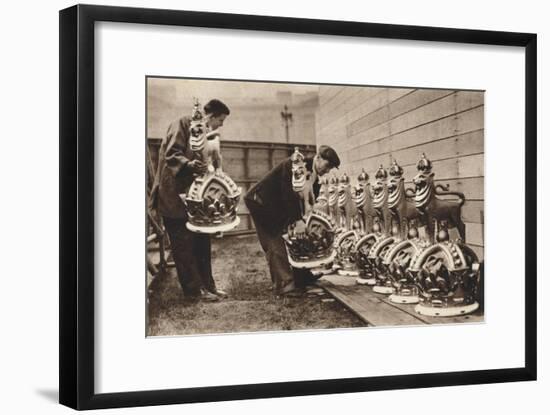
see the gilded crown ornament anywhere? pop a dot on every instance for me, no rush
(432, 209)
(345, 242)
(321, 206)
(401, 210)
(379, 264)
(312, 248)
(388, 256)
(398, 261)
(332, 189)
(384, 237)
(391, 267)
(448, 276)
(442, 274)
(373, 213)
(424, 165)
(396, 170)
(346, 257)
(197, 130)
(213, 197)
(299, 171)
(396, 185)
(379, 241)
(379, 199)
(381, 173)
(364, 264)
(361, 197)
(446, 271)
(344, 203)
(363, 177)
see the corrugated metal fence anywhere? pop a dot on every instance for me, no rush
(246, 162)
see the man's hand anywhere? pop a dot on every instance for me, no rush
(300, 228)
(197, 166)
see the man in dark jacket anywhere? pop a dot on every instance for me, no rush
(176, 171)
(273, 206)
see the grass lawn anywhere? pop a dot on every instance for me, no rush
(240, 269)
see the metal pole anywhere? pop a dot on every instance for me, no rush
(287, 119)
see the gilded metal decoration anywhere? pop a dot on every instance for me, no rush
(433, 209)
(332, 190)
(347, 238)
(447, 272)
(448, 277)
(361, 196)
(213, 197)
(404, 219)
(388, 235)
(321, 205)
(376, 219)
(398, 260)
(314, 247)
(398, 240)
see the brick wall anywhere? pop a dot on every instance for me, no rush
(370, 126)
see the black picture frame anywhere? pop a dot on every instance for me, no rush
(77, 172)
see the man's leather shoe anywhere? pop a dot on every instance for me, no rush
(208, 297)
(220, 293)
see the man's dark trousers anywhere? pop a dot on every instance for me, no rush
(191, 253)
(283, 276)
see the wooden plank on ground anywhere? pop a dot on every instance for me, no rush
(377, 310)
(368, 308)
(338, 279)
(475, 317)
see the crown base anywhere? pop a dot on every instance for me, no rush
(309, 263)
(382, 289)
(211, 229)
(404, 299)
(406, 289)
(345, 254)
(348, 272)
(324, 270)
(452, 311)
(366, 281)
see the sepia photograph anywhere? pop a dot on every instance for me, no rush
(275, 206)
(256, 206)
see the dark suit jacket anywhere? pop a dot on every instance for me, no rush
(272, 200)
(172, 177)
